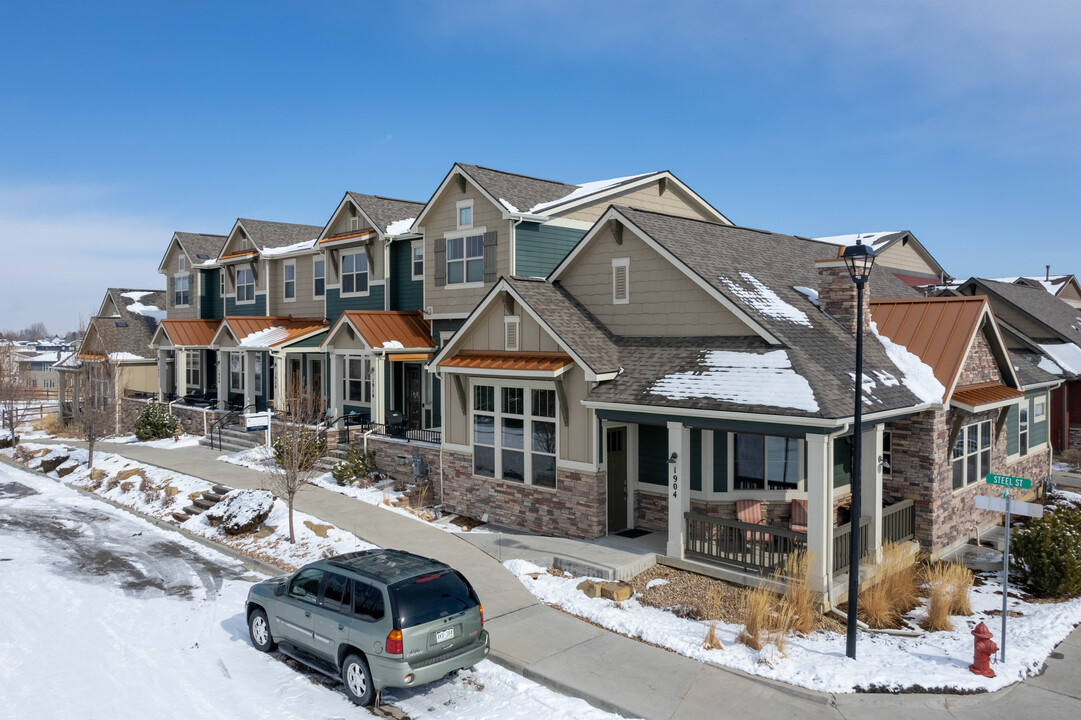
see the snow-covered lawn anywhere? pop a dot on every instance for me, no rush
(182, 441)
(77, 644)
(937, 660)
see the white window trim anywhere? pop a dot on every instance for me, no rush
(509, 320)
(257, 364)
(527, 401)
(221, 283)
(182, 276)
(341, 274)
(315, 277)
(236, 287)
(366, 380)
(980, 471)
(1039, 409)
(195, 368)
(464, 234)
(413, 260)
(286, 281)
(354, 223)
(625, 263)
(240, 375)
(458, 207)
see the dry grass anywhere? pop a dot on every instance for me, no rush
(782, 621)
(938, 592)
(757, 616)
(958, 580)
(798, 593)
(712, 642)
(894, 588)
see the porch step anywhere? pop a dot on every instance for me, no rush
(994, 538)
(192, 510)
(221, 489)
(212, 496)
(204, 504)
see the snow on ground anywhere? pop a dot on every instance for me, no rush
(182, 441)
(258, 458)
(79, 645)
(746, 378)
(818, 661)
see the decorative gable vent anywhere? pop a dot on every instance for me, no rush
(511, 326)
(354, 223)
(620, 281)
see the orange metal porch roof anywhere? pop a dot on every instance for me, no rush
(336, 238)
(289, 329)
(937, 330)
(985, 395)
(190, 333)
(391, 326)
(520, 361)
(242, 253)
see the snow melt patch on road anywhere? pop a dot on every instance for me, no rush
(765, 301)
(918, 375)
(934, 660)
(744, 378)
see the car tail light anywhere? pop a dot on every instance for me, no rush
(394, 642)
(481, 608)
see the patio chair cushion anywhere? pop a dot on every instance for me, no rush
(798, 522)
(750, 512)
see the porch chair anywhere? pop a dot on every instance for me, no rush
(798, 522)
(750, 512)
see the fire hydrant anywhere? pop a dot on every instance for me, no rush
(983, 648)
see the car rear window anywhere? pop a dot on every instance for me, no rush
(430, 597)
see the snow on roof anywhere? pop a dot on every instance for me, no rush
(138, 308)
(50, 356)
(265, 338)
(742, 377)
(295, 247)
(69, 360)
(119, 356)
(508, 207)
(583, 190)
(811, 293)
(400, 227)
(393, 344)
(846, 240)
(918, 375)
(1066, 355)
(765, 301)
(1047, 366)
(887, 379)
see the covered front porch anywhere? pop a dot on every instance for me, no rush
(735, 499)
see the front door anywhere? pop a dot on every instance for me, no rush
(617, 479)
(295, 377)
(315, 376)
(412, 395)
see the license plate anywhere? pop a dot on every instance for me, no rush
(444, 635)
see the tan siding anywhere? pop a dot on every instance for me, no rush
(172, 266)
(455, 421)
(442, 218)
(1069, 292)
(304, 305)
(576, 439)
(486, 333)
(906, 259)
(138, 377)
(673, 202)
(663, 301)
(340, 224)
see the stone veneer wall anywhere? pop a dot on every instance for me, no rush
(392, 457)
(575, 508)
(1075, 436)
(191, 419)
(651, 511)
(980, 367)
(837, 296)
(923, 471)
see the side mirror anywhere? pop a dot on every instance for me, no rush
(279, 589)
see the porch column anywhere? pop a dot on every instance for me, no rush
(223, 379)
(163, 374)
(61, 392)
(181, 365)
(679, 486)
(249, 381)
(819, 512)
(871, 485)
(281, 389)
(379, 388)
(334, 391)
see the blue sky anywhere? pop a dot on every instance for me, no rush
(122, 122)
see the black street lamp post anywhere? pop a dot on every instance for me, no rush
(859, 258)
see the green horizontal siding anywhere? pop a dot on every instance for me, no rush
(312, 342)
(1012, 443)
(720, 461)
(696, 460)
(336, 304)
(211, 306)
(653, 455)
(405, 292)
(1037, 431)
(539, 248)
(257, 308)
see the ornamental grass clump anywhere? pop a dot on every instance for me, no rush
(1047, 554)
(797, 593)
(939, 598)
(959, 581)
(757, 615)
(893, 587)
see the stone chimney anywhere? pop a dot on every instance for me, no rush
(837, 294)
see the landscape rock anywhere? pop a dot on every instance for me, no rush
(125, 474)
(590, 588)
(47, 466)
(617, 591)
(241, 511)
(96, 474)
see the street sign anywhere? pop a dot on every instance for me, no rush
(1018, 508)
(1010, 482)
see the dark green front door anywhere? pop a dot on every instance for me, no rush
(616, 445)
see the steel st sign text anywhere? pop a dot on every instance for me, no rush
(1010, 482)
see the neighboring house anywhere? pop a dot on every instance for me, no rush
(1043, 332)
(906, 257)
(121, 332)
(38, 373)
(1064, 287)
(678, 375)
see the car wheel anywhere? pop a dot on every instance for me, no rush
(358, 680)
(259, 631)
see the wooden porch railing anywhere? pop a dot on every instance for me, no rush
(754, 548)
(842, 543)
(899, 521)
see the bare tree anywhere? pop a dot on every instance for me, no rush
(94, 400)
(299, 445)
(14, 393)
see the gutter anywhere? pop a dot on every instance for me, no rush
(761, 417)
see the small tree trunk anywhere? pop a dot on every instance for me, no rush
(90, 458)
(292, 539)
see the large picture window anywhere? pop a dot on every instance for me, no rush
(358, 383)
(972, 454)
(766, 462)
(514, 434)
(245, 285)
(354, 273)
(465, 259)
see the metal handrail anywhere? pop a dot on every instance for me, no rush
(229, 418)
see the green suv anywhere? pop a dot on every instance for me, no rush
(375, 619)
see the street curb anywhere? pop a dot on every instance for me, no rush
(252, 563)
(814, 696)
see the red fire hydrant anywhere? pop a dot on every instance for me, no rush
(984, 648)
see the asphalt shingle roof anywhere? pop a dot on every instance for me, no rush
(521, 191)
(196, 244)
(265, 234)
(1052, 311)
(384, 211)
(136, 330)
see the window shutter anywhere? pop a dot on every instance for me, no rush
(440, 262)
(490, 239)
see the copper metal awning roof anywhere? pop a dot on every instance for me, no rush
(265, 332)
(390, 330)
(190, 333)
(521, 362)
(984, 396)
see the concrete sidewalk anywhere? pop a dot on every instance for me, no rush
(614, 672)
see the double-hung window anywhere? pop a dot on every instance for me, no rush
(358, 383)
(289, 278)
(465, 259)
(764, 462)
(192, 367)
(319, 272)
(1022, 429)
(181, 284)
(514, 434)
(354, 273)
(418, 260)
(972, 454)
(236, 372)
(245, 285)
(258, 373)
